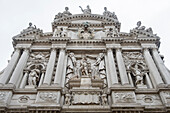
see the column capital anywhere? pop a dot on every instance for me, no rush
(118, 49)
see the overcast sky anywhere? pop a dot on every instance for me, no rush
(16, 14)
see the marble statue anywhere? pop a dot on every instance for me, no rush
(104, 99)
(67, 99)
(66, 12)
(33, 77)
(86, 11)
(137, 72)
(84, 67)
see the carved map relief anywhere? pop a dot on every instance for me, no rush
(136, 68)
(124, 97)
(45, 97)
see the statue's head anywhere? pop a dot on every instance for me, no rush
(66, 8)
(105, 8)
(88, 6)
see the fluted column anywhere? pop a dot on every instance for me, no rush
(19, 67)
(59, 68)
(121, 66)
(111, 68)
(24, 80)
(10, 67)
(155, 76)
(50, 67)
(161, 67)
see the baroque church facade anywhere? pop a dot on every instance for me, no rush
(85, 65)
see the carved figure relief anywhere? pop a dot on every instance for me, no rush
(86, 11)
(67, 99)
(87, 65)
(122, 97)
(104, 99)
(60, 32)
(135, 64)
(85, 32)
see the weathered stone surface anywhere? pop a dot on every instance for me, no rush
(85, 64)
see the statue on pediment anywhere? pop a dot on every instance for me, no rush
(142, 32)
(86, 11)
(109, 14)
(66, 12)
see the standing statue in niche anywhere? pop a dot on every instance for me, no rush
(86, 11)
(33, 77)
(137, 72)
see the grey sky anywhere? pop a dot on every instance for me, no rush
(16, 14)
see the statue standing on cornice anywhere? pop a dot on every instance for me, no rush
(86, 11)
(66, 12)
(109, 14)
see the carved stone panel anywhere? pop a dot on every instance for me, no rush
(48, 97)
(86, 98)
(123, 97)
(165, 95)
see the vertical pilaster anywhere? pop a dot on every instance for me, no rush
(121, 67)
(19, 67)
(161, 67)
(10, 67)
(155, 76)
(59, 68)
(111, 67)
(50, 67)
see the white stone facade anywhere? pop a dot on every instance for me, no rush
(85, 65)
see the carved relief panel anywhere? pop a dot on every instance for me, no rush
(124, 97)
(48, 97)
(35, 69)
(86, 71)
(136, 68)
